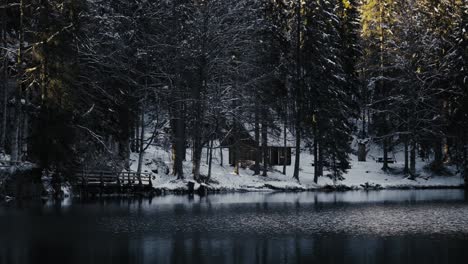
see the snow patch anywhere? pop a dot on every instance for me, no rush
(362, 175)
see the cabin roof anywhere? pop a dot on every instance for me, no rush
(275, 136)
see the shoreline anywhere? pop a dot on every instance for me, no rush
(165, 191)
(157, 192)
(326, 188)
(191, 187)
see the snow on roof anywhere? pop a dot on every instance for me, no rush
(275, 135)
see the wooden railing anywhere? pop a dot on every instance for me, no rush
(109, 178)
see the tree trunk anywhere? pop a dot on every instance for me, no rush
(221, 156)
(198, 103)
(15, 144)
(285, 154)
(265, 141)
(197, 148)
(137, 134)
(124, 137)
(3, 142)
(15, 139)
(382, 85)
(179, 137)
(257, 141)
(438, 157)
(465, 164)
(4, 85)
(406, 169)
(208, 154)
(335, 170)
(236, 158)
(140, 146)
(180, 145)
(385, 154)
(412, 166)
(362, 151)
(369, 121)
(320, 157)
(363, 132)
(133, 137)
(316, 165)
(447, 150)
(210, 159)
(234, 150)
(25, 128)
(298, 151)
(298, 97)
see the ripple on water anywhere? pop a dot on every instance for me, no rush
(362, 219)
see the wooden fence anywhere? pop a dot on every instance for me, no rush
(111, 180)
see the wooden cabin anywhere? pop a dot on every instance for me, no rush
(244, 144)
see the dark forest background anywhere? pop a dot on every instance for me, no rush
(81, 80)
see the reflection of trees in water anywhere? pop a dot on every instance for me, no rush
(296, 249)
(57, 249)
(178, 254)
(203, 248)
(277, 228)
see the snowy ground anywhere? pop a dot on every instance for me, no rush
(361, 173)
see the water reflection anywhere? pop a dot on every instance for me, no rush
(427, 226)
(190, 248)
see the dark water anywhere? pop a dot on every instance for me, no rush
(419, 226)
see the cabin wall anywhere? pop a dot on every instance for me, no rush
(280, 156)
(245, 153)
(276, 155)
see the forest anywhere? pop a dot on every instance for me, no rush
(93, 81)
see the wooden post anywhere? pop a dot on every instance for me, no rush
(84, 181)
(140, 183)
(102, 180)
(118, 181)
(128, 177)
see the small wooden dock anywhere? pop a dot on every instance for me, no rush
(100, 181)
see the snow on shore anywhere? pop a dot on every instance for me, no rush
(158, 161)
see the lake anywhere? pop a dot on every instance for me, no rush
(390, 226)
